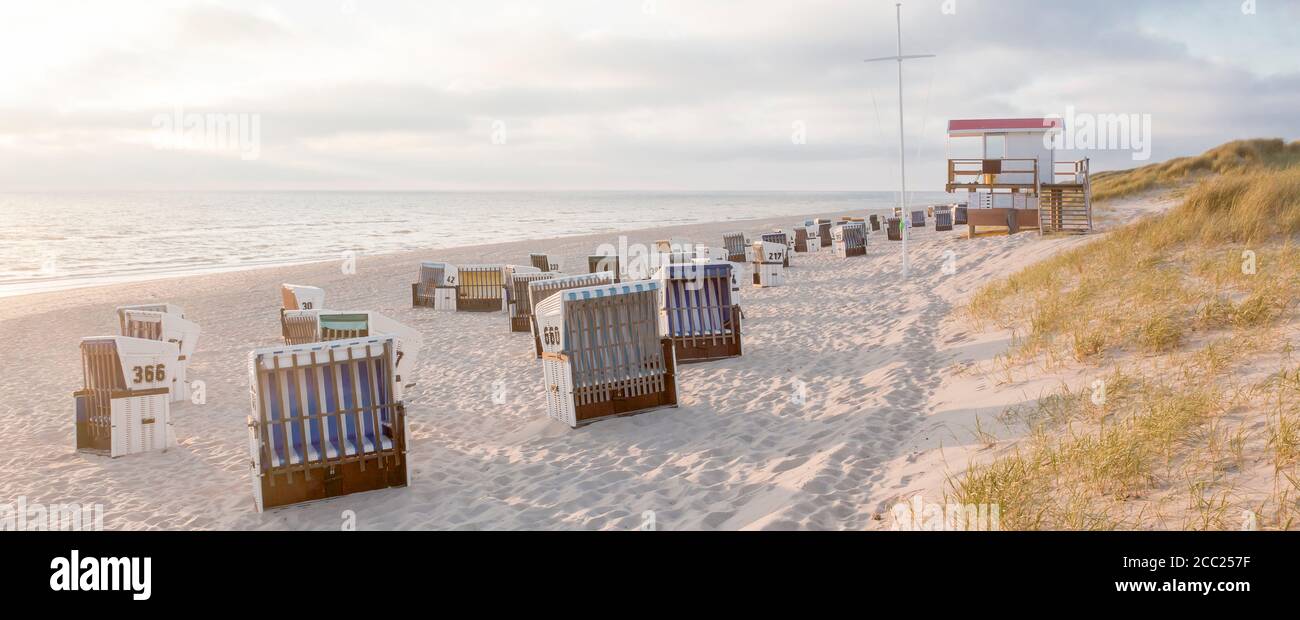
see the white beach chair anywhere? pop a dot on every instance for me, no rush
(182, 334)
(783, 239)
(850, 239)
(769, 266)
(124, 405)
(602, 353)
(300, 297)
(325, 422)
(172, 309)
(521, 310)
(541, 290)
(436, 287)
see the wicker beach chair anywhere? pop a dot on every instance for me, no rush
(325, 421)
(959, 215)
(481, 288)
(181, 334)
(781, 238)
(769, 263)
(894, 228)
(436, 287)
(699, 312)
(521, 310)
(850, 239)
(875, 222)
(610, 263)
(943, 218)
(824, 231)
(542, 262)
(736, 245)
(602, 353)
(300, 297)
(801, 239)
(541, 290)
(918, 219)
(124, 406)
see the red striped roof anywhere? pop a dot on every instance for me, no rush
(1002, 124)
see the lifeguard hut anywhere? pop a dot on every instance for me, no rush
(1017, 182)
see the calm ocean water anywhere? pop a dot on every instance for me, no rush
(66, 240)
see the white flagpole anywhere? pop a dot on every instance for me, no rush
(903, 221)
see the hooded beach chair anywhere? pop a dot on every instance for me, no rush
(325, 421)
(521, 310)
(943, 218)
(541, 290)
(172, 309)
(823, 231)
(124, 406)
(959, 215)
(542, 262)
(850, 239)
(894, 228)
(875, 222)
(481, 288)
(300, 297)
(599, 263)
(769, 263)
(181, 334)
(436, 288)
(737, 247)
(918, 219)
(698, 311)
(801, 243)
(781, 238)
(603, 354)
(312, 326)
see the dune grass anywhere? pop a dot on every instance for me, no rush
(1193, 291)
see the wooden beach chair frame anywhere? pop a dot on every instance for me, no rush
(124, 405)
(603, 353)
(324, 423)
(824, 231)
(697, 311)
(542, 262)
(481, 288)
(736, 245)
(602, 263)
(893, 230)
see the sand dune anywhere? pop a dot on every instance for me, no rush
(875, 351)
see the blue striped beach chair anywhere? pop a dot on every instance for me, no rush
(736, 246)
(943, 218)
(603, 354)
(918, 219)
(124, 405)
(698, 312)
(541, 290)
(325, 421)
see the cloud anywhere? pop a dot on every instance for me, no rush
(605, 95)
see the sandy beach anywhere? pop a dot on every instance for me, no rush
(885, 415)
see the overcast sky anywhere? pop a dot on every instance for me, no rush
(609, 94)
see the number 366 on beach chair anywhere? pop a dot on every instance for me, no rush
(697, 311)
(171, 328)
(124, 405)
(325, 421)
(602, 354)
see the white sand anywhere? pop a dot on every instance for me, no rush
(874, 350)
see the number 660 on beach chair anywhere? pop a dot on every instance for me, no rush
(124, 405)
(325, 421)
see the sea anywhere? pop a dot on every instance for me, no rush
(56, 241)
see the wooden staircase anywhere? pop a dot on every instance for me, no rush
(1067, 207)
